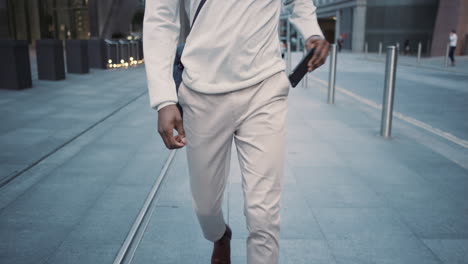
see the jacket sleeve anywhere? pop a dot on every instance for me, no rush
(161, 29)
(302, 14)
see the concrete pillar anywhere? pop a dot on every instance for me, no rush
(4, 24)
(359, 28)
(93, 18)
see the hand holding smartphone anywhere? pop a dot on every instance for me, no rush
(301, 69)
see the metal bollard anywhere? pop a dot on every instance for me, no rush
(332, 77)
(419, 52)
(380, 48)
(305, 80)
(398, 47)
(288, 45)
(389, 92)
(447, 50)
(366, 48)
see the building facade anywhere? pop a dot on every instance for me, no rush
(64, 19)
(380, 21)
(451, 15)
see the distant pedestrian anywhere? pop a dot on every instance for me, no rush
(453, 38)
(283, 49)
(407, 47)
(340, 43)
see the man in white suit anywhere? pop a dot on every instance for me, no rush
(234, 89)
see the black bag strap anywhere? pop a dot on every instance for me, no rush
(202, 2)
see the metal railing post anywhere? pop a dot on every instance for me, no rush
(332, 76)
(380, 48)
(288, 44)
(419, 52)
(389, 92)
(447, 50)
(306, 78)
(366, 48)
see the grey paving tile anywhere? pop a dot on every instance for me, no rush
(378, 174)
(449, 250)
(433, 222)
(8, 169)
(306, 251)
(309, 176)
(29, 242)
(176, 190)
(424, 195)
(173, 252)
(292, 251)
(342, 222)
(142, 169)
(52, 203)
(24, 137)
(297, 219)
(341, 196)
(111, 217)
(173, 236)
(77, 253)
(171, 223)
(326, 157)
(378, 248)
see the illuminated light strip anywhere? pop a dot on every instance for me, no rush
(415, 122)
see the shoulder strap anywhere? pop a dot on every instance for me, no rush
(202, 2)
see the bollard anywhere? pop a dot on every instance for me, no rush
(389, 92)
(332, 77)
(305, 80)
(288, 45)
(447, 50)
(398, 47)
(366, 48)
(380, 48)
(419, 52)
(306, 77)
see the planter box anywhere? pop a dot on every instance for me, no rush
(113, 51)
(97, 53)
(15, 69)
(140, 49)
(50, 60)
(124, 50)
(77, 56)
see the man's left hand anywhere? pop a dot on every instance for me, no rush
(322, 47)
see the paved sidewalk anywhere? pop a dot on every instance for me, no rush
(36, 122)
(349, 196)
(95, 153)
(436, 63)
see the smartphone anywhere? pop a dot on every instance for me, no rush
(301, 69)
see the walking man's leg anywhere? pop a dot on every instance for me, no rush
(209, 134)
(260, 142)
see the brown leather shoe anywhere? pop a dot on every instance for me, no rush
(222, 249)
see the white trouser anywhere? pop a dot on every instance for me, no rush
(255, 117)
